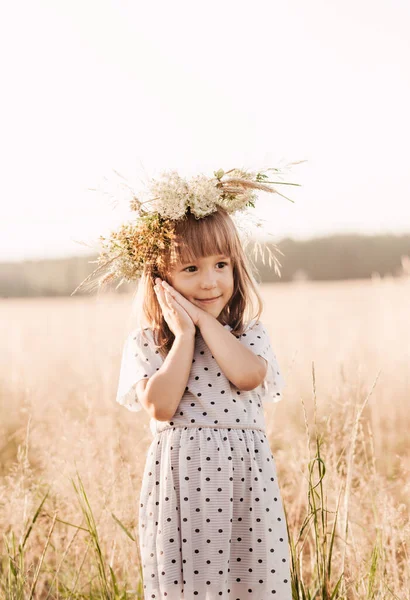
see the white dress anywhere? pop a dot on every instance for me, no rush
(211, 519)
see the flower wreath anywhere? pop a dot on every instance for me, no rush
(142, 240)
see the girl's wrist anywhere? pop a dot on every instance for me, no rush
(203, 319)
(185, 335)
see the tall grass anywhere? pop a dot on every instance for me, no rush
(19, 572)
(71, 462)
(322, 533)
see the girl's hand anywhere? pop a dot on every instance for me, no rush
(177, 318)
(197, 314)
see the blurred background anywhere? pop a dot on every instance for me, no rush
(98, 97)
(104, 95)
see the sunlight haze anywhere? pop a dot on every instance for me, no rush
(93, 87)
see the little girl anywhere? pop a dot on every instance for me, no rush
(211, 519)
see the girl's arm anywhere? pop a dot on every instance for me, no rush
(240, 365)
(164, 390)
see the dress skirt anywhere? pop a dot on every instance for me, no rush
(211, 518)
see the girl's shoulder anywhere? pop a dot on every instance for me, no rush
(138, 330)
(253, 325)
(141, 336)
(255, 334)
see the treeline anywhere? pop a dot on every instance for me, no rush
(335, 257)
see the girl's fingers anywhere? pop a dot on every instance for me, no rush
(160, 297)
(174, 294)
(163, 299)
(169, 289)
(171, 302)
(169, 298)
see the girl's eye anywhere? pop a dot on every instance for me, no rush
(194, 267)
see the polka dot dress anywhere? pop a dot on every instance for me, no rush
(211, 519)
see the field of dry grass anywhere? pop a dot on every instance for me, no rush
(344, 348)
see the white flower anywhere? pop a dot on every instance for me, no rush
(170, 195)
(203, 196)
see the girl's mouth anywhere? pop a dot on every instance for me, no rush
(208, 301)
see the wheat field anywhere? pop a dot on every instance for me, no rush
(71, 460)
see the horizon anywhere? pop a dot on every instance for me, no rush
(296, 239)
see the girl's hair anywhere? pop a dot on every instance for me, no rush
(195, 238)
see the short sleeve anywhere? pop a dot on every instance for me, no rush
(140, 360)
(256, 338)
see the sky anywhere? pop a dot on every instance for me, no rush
(96, 88)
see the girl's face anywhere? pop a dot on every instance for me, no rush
(207, 277)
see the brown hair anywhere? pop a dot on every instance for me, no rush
(194, 238)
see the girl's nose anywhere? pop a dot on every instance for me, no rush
(209, 279)
(208, 283)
